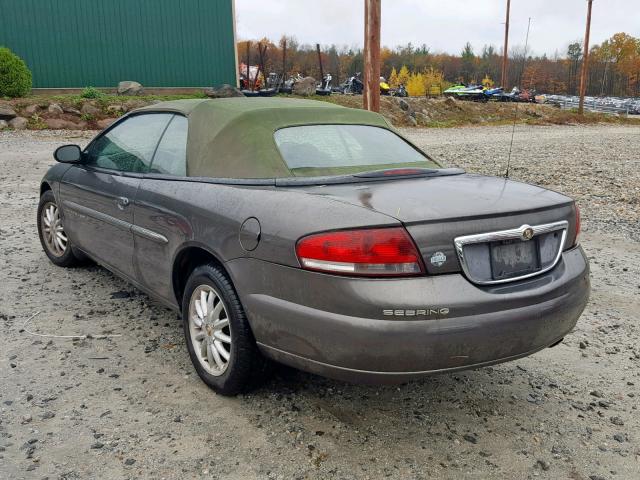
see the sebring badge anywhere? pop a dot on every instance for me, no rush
(420, 312)
(438, 259)
(527, 233)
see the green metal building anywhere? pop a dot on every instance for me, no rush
(159, 43)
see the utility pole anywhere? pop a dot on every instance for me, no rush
(503, 80)
(371, 93)
(284, 62)
(320, 63)
(249, 85)
(585, 61)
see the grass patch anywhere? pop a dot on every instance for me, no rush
(35, 122)
(91, 92)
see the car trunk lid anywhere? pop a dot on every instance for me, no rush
(437, 210)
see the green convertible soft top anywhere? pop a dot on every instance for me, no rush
(233, 137)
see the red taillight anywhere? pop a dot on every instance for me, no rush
(371, 252)
(578, 224)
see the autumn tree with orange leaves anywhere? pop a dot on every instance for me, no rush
(614, 67)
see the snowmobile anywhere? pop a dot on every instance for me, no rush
(325, 87)
(353, 85)
(401, 91)
(385, 89)
(287, 85)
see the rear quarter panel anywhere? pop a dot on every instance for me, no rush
(210, 216)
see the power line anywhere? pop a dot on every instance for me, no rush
(515, 115)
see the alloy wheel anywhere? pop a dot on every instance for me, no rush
(209, 329)
(53, 232)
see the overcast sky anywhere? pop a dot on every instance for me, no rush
(443, 26)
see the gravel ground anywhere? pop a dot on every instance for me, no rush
(132, 407)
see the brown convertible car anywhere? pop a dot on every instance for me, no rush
(316, 236)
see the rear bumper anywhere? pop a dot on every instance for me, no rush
(337, 327)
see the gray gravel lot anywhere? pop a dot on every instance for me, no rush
(132, 406)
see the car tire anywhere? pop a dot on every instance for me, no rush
(223, 332)
(53, 238)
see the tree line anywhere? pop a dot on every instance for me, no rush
(614, 65)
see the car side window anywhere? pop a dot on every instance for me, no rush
(171, 154)
(129, 146)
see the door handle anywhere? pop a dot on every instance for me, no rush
(122, 202)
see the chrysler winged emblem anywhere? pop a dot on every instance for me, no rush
(527, 233)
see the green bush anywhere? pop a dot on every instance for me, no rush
(15, 77)
(91, 92)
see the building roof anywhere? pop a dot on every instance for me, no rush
(233, 137)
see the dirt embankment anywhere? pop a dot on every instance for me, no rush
(73, 112)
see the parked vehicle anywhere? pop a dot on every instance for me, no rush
(454, 89)
(325, 86)
(493, 93)
(470, 92)
(267, 92)
(353, 85)
(273, 80)
(360, 259)
(401, 91)
(272, 86)
(287, 85)
(250, 80)
(527, 95)
(385, 89)
(516, 95)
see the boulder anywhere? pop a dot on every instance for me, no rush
(90, 109)
(133, 104)
(404, 105)
(59, 123)
(3, 124)
(223, 91)
(55, 109)
(71, 110)
(18, 123)
(116, 109)
(105, 122)
(421, 117)
(31, 109)
(451, 101)
(305, 87)
(130, 88)
(7, 113)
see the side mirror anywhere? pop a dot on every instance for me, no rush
(68, 154)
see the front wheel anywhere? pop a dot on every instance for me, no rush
(53, 237)
(220, 342)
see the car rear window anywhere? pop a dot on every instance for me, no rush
(319, 150)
